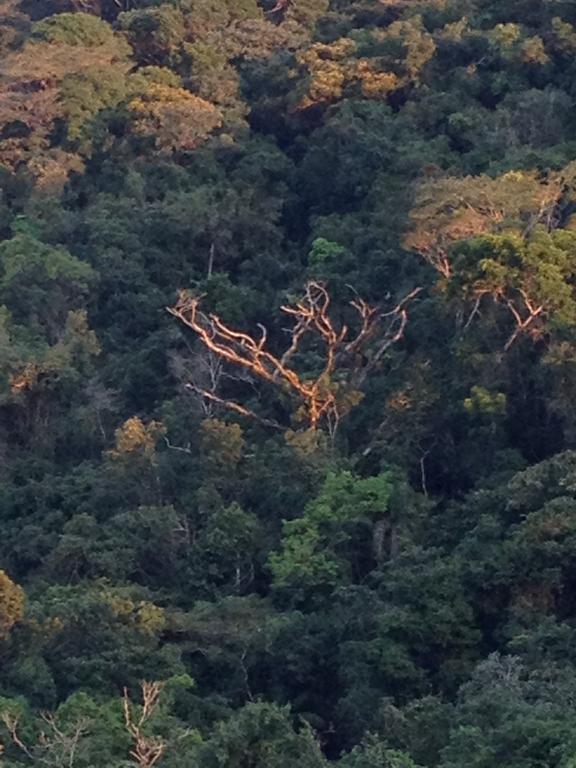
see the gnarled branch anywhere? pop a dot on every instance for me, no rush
(147, 750)
(322, 400)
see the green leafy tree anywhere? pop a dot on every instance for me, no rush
(509, 712)
(153, 33)
(264, 735)
(530, 279)
(81, 29)
(40, 284)
(320, 549)
(376, 754)
(85, 94)
(125, 648)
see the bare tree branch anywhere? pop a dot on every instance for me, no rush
(147, 750)
(322, 400)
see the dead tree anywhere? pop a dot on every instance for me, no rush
(324, 399)
(54, 745)
(527, 312)
(146, 750)
(58, 746)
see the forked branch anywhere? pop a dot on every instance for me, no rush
(323, 398)
(54, 744)
(146, 750)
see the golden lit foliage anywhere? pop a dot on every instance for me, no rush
(374, 84)
(495, 240)
(222, 443)
(11, 604)
(329, 71)
(213, 52)
(449, 210)
(44, 63)
(175, 118)
(564, 37)
(146, 618)
(393, 58)
(51, 169)
(510, 42)
(481, 401)
(308, 444)
(136, 438)
(416, 44)
(30, 100)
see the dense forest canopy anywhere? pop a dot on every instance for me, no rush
(287, 383)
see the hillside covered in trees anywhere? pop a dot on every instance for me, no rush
(288, 383)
